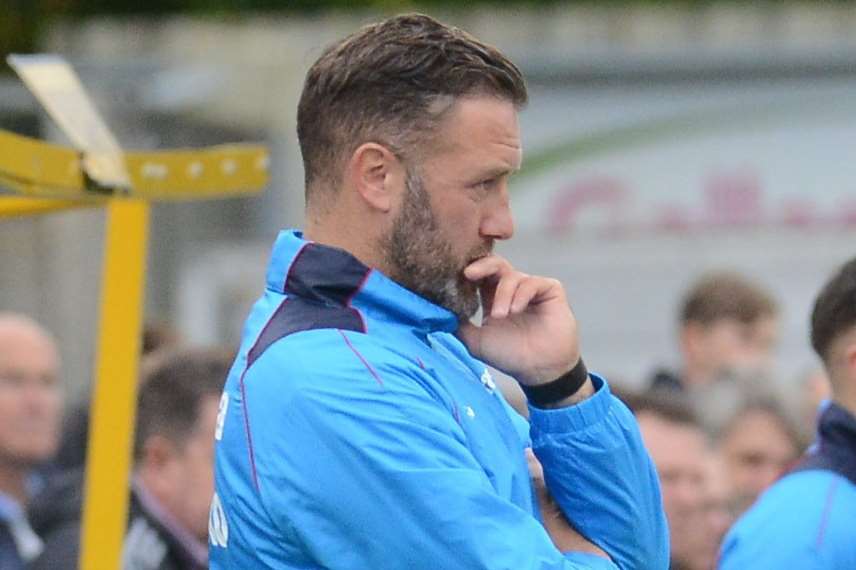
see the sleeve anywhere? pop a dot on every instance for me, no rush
(740, 551)
(366, 469)
(599, 472)
(804, 521)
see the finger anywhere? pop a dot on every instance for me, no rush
(528, 290)
(489, 266)
(535, 291)
(505, 292)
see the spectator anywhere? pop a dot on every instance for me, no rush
(814, 390)
(728, 330)
(71, 455)
(172, 482)
(30, 406)
(718, 507)
(758, 445)
(679, 447)
(806, 519)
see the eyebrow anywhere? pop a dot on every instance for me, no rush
(499, 171)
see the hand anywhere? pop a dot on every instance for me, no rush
(563, 535)
(528, 330)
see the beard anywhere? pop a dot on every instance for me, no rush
(419, 257)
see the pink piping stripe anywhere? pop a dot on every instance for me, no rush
(249, 435)
(360, 356)
(354, 294)
(830, 495)
(293, 261)
(244, 395)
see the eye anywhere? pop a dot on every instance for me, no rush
(486, 184)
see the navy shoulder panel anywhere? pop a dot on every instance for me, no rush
(295, 315)
(319, 286)
(836, 447)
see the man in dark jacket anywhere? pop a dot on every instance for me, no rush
(172, 483)
(30, 404)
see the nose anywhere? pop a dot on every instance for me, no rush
(497, 222)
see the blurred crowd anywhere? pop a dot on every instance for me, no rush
(717, 428)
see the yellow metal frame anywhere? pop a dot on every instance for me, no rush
(50, 178)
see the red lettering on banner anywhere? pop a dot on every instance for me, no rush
(733, 199)
(799, 213)
(603, 193)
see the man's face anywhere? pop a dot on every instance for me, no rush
(30, 396)
(679, 454)
(757, 451)
(736, 349)
(193, 472)
(456, 203)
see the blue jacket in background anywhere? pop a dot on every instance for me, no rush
(356, 432)
(807, 520)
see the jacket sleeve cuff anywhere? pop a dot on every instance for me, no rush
(576, 417)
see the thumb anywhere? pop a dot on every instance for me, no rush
(470, 335)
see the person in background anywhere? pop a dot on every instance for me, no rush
(806, 519)
(718, 507)
(30, 408)
(172, 480)
(813, 390)
(680, 450)
(71, 455)
(728, 328)
(758, 444)
(727, 334)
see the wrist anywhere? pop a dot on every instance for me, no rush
(570, 387)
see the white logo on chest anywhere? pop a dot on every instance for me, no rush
(221, 416)
(487, 381)
(218, 528)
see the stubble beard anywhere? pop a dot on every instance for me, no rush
(419, 257)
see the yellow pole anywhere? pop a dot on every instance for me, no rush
(114, 399)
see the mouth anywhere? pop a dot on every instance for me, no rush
(481, 253)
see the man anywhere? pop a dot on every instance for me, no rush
(173, 477)
(728, 330)
(357, 430)
(30, 407)
(806, 519)
(758, 444)
(679, 448)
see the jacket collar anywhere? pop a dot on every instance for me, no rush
(837, 430)
(835, 449)
(331, 276)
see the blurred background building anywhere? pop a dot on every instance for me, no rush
(663, 139)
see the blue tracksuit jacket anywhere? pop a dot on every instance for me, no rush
(356, 432)
(807, 520)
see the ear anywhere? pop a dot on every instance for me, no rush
(158, 452)
(377, 175)
(850, 358)
(692, 337)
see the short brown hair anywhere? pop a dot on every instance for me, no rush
(666, 405)
(725, 295)
(769, 405)
(388, 83)
(172, 392)
(834, 310)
